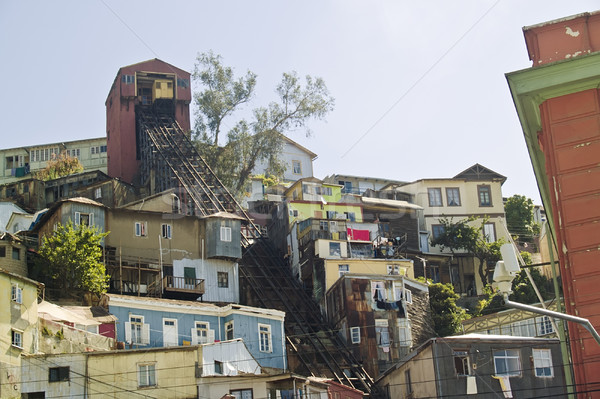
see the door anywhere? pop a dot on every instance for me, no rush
(170, 332)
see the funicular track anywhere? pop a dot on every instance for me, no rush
(166, 149)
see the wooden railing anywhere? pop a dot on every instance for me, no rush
(183, 284)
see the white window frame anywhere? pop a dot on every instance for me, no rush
(137, 335)
(343, 269)
(202, 334)
(355, 335)
(382, 333)
(507, 357)
(489, 232)
(393, 270)
(16, 338)
(147, 374)
(544, 325)
(90, 216)
(16, 293)
(296, 167)
(404, 332)
(229, 330)
(542, 361)
(140, 229)
(98, 193)
(265, 343)
(166, 230)
(225, 234)
(407, 294)
(462, 357)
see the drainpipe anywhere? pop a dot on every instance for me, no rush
(550, 313)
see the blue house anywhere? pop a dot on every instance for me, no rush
(153, 322)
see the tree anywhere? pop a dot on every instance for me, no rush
(522, 290)
(519, 218)
(72, 257)
(259, 139)
(447, 316)
(463, 235)
(60, 166)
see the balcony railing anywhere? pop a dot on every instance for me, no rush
(183, 284)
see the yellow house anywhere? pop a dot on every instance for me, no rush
(477, 192)
(18, 328)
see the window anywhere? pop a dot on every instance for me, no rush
(378, 290)
(485, 195)
(201, 333)
(453, 196)
(102, 148)
(408, 295)
(264, 338)
(326, 191)
(241, 393)
(57, 374)
(343, 269)
(17, 293)
(146, 375)
(140, 229)
(544, 325)
(223, 279)
(351, 216)
(98, 193)
(542, 363)
(136, 331)
(489, 231)
(127, 79)
(166, 231)
(335, 249)
(323, 225)
(382, 332)
(218, 367)
(408, 382)
(507, 362)
(16, 254)
(462, 365)
(296, 167)
(2, 252)
(229, 330)
(225, 234)
(355, 335)
(393, 270)
(86, 219)
(435, 196)
(404, 332)
(347, 186)
(437, 230)
(17, 339)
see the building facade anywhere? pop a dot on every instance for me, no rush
(485, 366)
(20, 163)
(558, 103)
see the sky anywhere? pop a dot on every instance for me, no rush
(419, 86)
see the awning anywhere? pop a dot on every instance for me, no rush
(390, 203)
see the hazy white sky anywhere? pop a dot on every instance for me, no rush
(419, 86)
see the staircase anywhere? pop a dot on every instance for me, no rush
(169, 159)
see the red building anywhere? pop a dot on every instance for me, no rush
(558, 102)
(139, 86)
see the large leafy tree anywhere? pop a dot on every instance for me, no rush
(62, 165)
(447, 315)
(467, 235)
(72, 257)
(258, 138)
(519, 218)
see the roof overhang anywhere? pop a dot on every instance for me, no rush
(531, 87)
(390, 203)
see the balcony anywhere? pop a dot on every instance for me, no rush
(183, 284)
